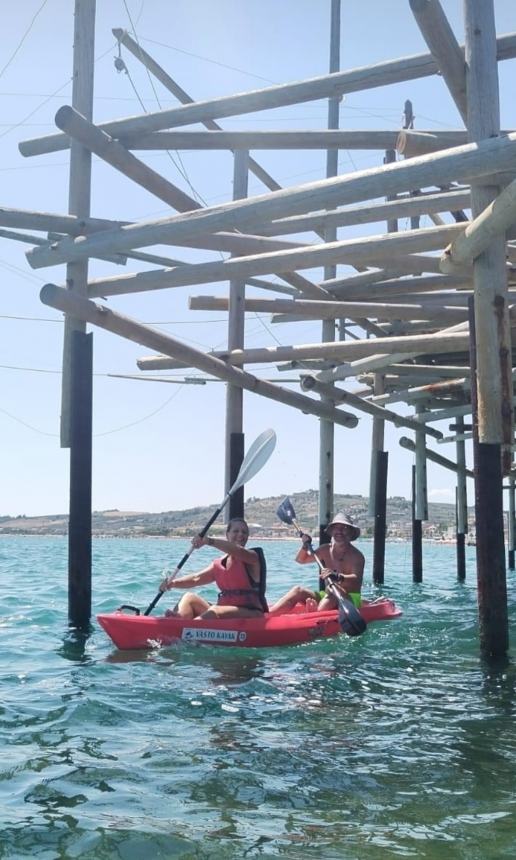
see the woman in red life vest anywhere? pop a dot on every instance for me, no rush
(239, 575)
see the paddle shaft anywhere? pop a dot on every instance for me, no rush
(187, 555)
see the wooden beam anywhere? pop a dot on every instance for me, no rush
(113, 153)
(492, 222)
(329, 309)
(326, 86)
(339, 395)
(232, 140)
(352, 251)
(107, 319)
(444, 48)
(432, 455)
(471, 160)
(404, 208)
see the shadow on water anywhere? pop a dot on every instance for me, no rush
(230, 667)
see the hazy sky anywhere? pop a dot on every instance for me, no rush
(160, 446)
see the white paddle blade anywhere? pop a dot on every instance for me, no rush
(256, 458)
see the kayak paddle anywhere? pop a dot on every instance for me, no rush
(255, 459)
(350, 618)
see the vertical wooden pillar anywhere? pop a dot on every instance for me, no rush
(380, 520)
(76, 398)
(511, 524)
(492, 342)
(461, 502)
(417, 537)
(326, 428)
(236, 327)
(79, 531)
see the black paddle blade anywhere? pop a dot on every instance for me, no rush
(286, 512)
(351, 622)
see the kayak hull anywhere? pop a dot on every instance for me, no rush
(130, 632)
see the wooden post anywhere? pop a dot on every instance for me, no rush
(79, 529)
(511, 524)
(421, 483)
(461, 502)
(236, 327)
(326, 428)
(417, 536)
(77, 387)
(380, 520)
(492, 342)
(79, 194)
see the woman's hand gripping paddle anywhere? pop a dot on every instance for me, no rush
(350, 620)
(255, 459)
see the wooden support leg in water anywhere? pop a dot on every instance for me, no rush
(236, 457)
(417, 537)
(79, 530)
(491, 581)
(380, 520)
(510, 525)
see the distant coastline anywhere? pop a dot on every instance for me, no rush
(260, 514)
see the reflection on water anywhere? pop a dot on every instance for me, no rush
(400, 743)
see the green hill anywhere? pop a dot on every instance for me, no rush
(260, 513)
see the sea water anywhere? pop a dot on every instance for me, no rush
(398, 743)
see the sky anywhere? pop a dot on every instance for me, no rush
(160, 446)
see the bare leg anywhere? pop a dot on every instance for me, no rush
(190, 606)
(231, 612)
(328, 602)
(297, 594)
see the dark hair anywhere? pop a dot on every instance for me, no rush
(236, 520)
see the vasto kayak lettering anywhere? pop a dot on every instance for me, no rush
(209, 634)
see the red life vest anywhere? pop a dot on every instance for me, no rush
(236, 585)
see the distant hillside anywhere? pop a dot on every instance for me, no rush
(261, 513)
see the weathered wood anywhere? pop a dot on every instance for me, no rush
(492, 342)
(79, 197)
(492, 223)
(302, 139)
(349, 290)
(326, 86)
(411, 143)
(461, 496)
(380, 523)
(234, 140)
(339, 395)
(236, 334)
(48, 221)
(328, 328)
(421, 391)
(113, 153)
(444, 48)
(421, 512)
(471, 160)
(377, 444)
(107, 319)
(79, 529)
(431, 455)
(306, 308)
(351, 251)
(415, 345)
(417, 536)
(403, 208)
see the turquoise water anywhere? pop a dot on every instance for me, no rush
(400, 743)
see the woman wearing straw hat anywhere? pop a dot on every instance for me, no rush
(342, 562)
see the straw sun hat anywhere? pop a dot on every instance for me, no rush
(342, 519)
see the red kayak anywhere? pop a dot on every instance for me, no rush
(130, 632)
